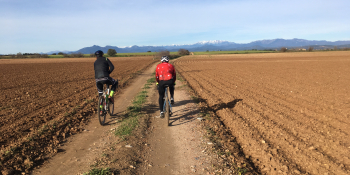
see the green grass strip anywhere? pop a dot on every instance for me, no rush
(127, 126)
(133, 112)
(100, 171)
(233, 52)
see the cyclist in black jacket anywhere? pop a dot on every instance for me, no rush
(103, 67)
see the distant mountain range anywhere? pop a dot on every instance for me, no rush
(220, 45)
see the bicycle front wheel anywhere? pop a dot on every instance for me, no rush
(167, 106)
(100, 112)
(110, 108)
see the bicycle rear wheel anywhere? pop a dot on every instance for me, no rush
(101, 115)
(167, 107)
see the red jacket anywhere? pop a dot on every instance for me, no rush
(165, 71)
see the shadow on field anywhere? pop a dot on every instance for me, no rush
(229, 105)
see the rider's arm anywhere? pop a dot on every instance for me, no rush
(157, 76)
(111, 66)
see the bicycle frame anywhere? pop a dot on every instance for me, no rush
(105, 96)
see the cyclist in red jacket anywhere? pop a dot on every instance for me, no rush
(165, 75)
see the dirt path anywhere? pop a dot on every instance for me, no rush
(179, 148)
(78, 153)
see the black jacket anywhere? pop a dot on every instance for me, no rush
(103, 67)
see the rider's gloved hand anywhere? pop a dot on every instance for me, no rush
(157, 85)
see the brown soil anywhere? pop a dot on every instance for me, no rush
(178, 148)
(190, 145)
(285, 113)
(43, 101)
(152, 148)
(289, 112)
(98, 147)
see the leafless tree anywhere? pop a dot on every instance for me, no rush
(162, 53)
(77, 55)
(20, 55)
(44, 56)
(183, 52)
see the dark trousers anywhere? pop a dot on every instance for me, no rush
(161, 90)
(105, 80)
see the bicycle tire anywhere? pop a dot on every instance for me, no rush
(101, 117)
(167, 107)
(110, 108)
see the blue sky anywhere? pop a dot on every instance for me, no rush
(30, 26)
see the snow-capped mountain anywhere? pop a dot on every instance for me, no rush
(215, 42)
(219, 45)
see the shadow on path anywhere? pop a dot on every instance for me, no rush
(113, 119)
(181, 103)
(186, 115)
(183, 116)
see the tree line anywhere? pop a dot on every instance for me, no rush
(110, 52)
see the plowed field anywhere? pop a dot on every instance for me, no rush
(45, 100)
(290, 112)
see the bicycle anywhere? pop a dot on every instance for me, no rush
(107, 106)
(167, 108)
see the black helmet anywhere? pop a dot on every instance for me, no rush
(165, 59)
(99, 53)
